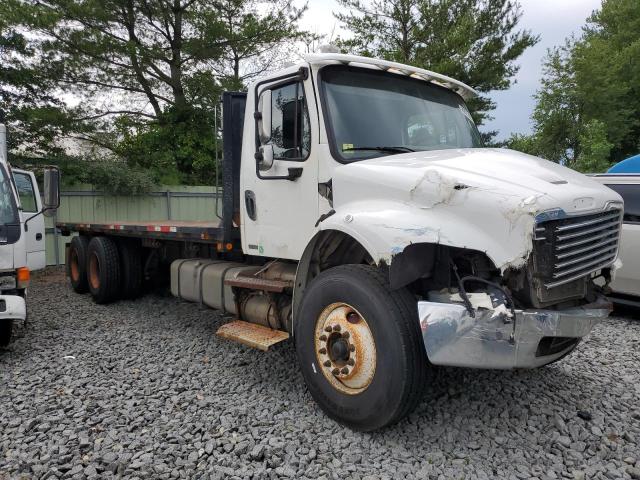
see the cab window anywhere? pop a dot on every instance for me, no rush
(26, 192)
(290, 132)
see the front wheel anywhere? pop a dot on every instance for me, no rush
(360, 347)
(6, 327)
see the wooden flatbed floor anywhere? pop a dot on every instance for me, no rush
(203, 232)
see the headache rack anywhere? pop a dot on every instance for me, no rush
(568, 250)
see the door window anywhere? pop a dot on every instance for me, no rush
(631, 196)
(26, 192)
(290, 132)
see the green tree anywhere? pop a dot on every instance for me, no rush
(607, 71)
(557, 117)
(596, 149)
(475, 41)
(146, 75)
(34, 116)
(587, 112)
(523, 143)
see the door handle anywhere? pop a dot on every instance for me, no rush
(250, 204)
(38, 236)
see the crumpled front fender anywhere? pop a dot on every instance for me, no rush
(386, 228)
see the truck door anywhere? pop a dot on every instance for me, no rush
(279, 213)
(31, 204)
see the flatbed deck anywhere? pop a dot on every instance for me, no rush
(202, 232)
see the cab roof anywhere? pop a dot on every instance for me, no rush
(465, 91)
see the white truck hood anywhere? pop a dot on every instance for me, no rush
(482, 199)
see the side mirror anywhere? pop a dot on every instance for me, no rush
(265, 157)
(264, 120)
(51, 200)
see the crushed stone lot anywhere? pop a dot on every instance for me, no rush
(144, 389)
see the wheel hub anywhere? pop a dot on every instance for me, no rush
(345, 348)
(94, 271)
(73, 263)
(339, 349)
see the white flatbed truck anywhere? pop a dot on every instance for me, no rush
(363, 218)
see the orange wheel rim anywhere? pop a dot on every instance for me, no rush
(345, 348)
(94, 272)
(73, 264)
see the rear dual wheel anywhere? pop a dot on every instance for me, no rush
(109, 269)
(103, 269)
(360, 347)
(77, 264)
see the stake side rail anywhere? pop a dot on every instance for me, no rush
(200, 232)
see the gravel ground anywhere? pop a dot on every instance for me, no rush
(145, 389)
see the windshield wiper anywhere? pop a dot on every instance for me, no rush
(381, 149)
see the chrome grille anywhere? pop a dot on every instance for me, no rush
(574, 247)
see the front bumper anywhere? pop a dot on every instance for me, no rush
(452, 337)
(12, 307)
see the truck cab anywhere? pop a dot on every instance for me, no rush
(22, 238)
(363, 217)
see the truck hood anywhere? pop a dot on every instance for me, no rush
(494, 195)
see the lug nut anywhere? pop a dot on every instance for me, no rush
(336, 371)
(322, 351)
(323, 338)
(345, 370)
(351, 362)
(336, 328)
(327, 363)
(345, 335)
(327, 328)
(352, 347)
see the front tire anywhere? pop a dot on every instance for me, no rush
(6, 327)
(103, 269)
(360, 347)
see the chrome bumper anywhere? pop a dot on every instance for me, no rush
(12, 307)
(452, 337)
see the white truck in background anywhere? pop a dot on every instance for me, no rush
(22, 234)
(625, 288)
(363, 217)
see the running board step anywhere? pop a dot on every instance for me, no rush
(252, 334)
(256, 283)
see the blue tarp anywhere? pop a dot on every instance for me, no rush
(630, 165)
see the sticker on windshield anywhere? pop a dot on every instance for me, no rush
(347, 146)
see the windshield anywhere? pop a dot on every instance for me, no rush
(8, 208)
(371, 114)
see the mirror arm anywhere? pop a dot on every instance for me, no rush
(46, 209)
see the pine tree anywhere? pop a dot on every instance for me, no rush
(475, 41)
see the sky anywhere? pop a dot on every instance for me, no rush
(553, 20)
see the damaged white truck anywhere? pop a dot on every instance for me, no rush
(363, 218)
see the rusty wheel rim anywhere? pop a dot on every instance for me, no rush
(73, 264)
(94, 272)
(345, 348)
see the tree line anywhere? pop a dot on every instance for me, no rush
(587, 112)
(136, 82)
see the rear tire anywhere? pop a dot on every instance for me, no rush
(6, 327)
(130, 268)
(345, 385)
(77, 264)
(103, 269)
